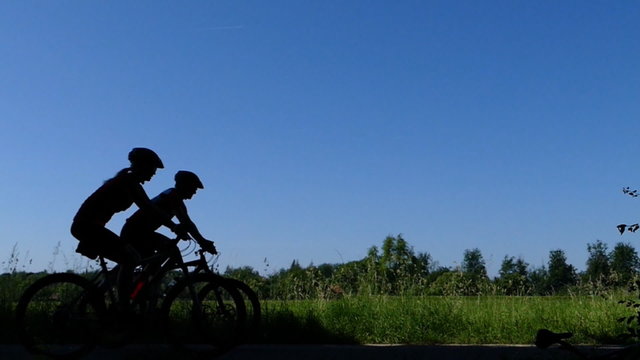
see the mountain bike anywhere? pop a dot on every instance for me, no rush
(546, 338)
(66, 315)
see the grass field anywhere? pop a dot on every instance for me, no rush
(444, 320)
(419, 320)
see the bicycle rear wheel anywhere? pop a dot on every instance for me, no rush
(59, 316)
(204, 315)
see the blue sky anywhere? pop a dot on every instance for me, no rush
(319, 128)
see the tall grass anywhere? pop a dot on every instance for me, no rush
(458, 320)
(405, 319)
(13, 281)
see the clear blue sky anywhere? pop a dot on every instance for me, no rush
(321, 127)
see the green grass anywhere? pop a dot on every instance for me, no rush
(11, 287)
(448, 320)
(418, 320)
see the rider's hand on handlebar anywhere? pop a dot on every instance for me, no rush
(208, 247)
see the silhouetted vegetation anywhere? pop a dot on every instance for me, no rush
(418, 301)
(397, 269)
(395, 294)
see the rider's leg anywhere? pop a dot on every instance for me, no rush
(113, 248)
(160, 242)
(128, 262)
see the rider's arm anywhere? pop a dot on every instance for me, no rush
(185, 221)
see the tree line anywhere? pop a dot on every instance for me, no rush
(396, 268)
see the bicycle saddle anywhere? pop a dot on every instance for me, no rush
(546, 338)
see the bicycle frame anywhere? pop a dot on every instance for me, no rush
(151, 274)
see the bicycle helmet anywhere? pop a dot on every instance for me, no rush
(145, 157)
(188, 179)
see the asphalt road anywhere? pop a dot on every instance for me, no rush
(329, 352)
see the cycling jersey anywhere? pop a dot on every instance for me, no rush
(145, 221)
(115, 195)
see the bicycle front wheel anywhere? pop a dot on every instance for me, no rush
(203, 314)
(59, 316)
(251, 302)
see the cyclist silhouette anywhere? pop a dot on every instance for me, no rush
(140, 229)
(115, 195)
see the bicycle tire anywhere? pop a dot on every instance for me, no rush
(254, 313)
(211, 327)
(59, 316)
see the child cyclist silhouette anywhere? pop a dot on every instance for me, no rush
(115, 195)
(140, 229)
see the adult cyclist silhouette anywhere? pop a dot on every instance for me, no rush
(140, 229)
(115, 195)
